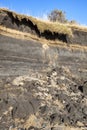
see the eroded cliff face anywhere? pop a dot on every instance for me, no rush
(79, 37)
(42, 86)
(9, 20)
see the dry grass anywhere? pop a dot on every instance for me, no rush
(77, 27)
(42, 25)
(26, 36)
(16, 34)
(53, 27)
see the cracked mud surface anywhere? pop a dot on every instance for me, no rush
(42, 87)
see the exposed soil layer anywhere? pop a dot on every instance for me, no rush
(80, 37)
(42, 87)
(8, 20)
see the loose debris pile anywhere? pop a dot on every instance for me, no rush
(47, 101)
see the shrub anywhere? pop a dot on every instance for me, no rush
(57, 16)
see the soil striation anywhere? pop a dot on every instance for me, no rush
(42, 86)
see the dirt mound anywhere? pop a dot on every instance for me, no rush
(57, 100)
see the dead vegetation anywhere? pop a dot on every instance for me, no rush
(42, 25)
(27, 36)
(36, 29)
(65, 28)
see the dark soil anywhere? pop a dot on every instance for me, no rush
(33, 83)
(7, 19)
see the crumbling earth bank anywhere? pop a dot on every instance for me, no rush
(42, 87)
(51, 101)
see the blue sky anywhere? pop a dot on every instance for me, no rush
(75, 9)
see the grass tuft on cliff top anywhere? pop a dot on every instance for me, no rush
(43, 25)
(53, 27)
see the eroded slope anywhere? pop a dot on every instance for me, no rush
(43, 84)
(51, 31)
